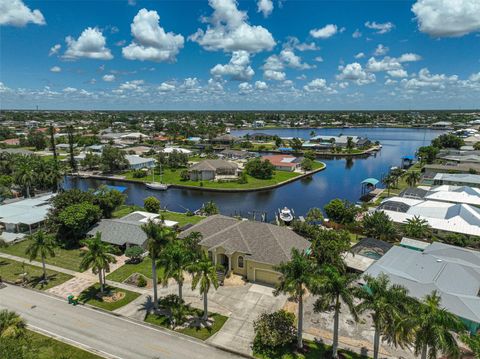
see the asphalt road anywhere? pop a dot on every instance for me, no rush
(110, 336)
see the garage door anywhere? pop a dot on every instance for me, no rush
(266, 276)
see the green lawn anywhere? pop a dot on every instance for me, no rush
(11, 270)
(65, 258)
(181, 218)
(173, 177)
(125, 271)
(202, 334)
(313, 351)
(49, 348)
(89, 296)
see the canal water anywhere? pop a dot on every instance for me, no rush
(341, 178)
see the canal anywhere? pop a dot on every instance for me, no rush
(341, 179)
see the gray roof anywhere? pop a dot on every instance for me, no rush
(213, 165)
(136, 160)
(452, 271)
(262, 242)
(15, 151)
(458, 177)
(120, 231)
(413, 192)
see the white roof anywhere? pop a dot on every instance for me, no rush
(177, 149)
(415, 243)
(10, 237)
(455, 194)
(449, 217)
(154, 217)
(27, 211)
(135, 160)
(452, 271)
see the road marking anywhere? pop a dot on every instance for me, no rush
(71, 341)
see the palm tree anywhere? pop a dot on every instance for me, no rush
(334, 289)
(297, 275)
(175, 259)
(204, 276)
(434, 327)
(388, 181)
(24, 174)
(390, 308)
(413, 177)
(11, 324)
(378, 225)
(42, 245)
(417, 227)
(98, 257)
(157, 237)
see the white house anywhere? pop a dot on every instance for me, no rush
(136, 162)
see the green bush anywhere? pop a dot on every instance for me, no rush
(260, 169)
(273, 331)
(141, 282)
(139, 174)
(151, 204)
(243, 178)
(134, 253)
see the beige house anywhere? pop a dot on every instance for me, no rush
(248, 248)
(213, 169)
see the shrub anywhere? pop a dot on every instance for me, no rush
(139, 174)
(260, 169)
(342, 212)
(141, 282)
(273, 331)
(134, 253)
(151, 204)
(184, 175)
(243, 178)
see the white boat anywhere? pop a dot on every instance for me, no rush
(159, 186)
(285, 215)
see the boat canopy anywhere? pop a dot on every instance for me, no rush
(370, 181)
(408, 158)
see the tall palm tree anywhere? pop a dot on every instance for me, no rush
(11, 324)
(335, 288)
(434, 327)
(98, 257)
(390, 308)
(71, 143)
(378, 225)
(42, 245)
(413, 177)
(175, 259)
(157, 238)
(388, 181)
(297, 276)
(51, 132)
(417, 227)
(24, 174)
(204, 275)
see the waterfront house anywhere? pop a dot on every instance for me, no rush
(453, 272)
(441, 216)
(207, 170)
(224, 140)
(445, 193)
(127, 231)
(235, 154)
(247, 248)
(136, 162)
(283, 162)
(25, 215)
(457, 179)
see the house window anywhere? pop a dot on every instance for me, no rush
(240, 262)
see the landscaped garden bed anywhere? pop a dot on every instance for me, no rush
(112, 298)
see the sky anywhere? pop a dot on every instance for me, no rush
(240, 55)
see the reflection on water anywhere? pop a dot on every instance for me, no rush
(341, 179)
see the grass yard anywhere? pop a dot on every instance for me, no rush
(199, 333)
(48, 348)
(89, 296)
(65, 258)
(11, 270)
(125, 209)
(313, 351)
(125, 271)
(173, 177)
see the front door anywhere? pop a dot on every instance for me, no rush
(223, 259)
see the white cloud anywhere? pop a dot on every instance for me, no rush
(69, 89)
(318, 59)
(386, 64)
(274, 75)
(447, 17)
(354, 72)
(90, 44)
(54, 49)
(150, 41)
(409, 57)
(475, 77)
(294, 43)
(238, 68)
(400, 73)
(245, 88)
(108, 78)
(135, 85)
(381, 28)
(356, 34)
(3, 88)
(132, 2)
(265, 7)
(55, 69)
(318, 85)
(425, 79)
(292, 60)
(324, 32)
(381, 50)
(228, 30)
(260, 85)
(16, 13)
(166, 87)
(360, 55)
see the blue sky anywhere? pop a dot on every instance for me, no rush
(227, 54)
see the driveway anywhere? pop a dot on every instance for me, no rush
(245, 303)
